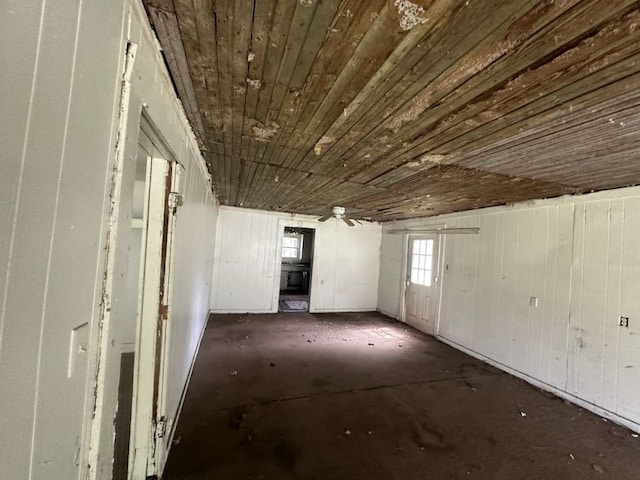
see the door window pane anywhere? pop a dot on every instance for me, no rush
(421, 261)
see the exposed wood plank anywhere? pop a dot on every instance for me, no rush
(305, 104)
(198, 38)
(565, 68)
(352, 23)
(441, 51)
(165, 23)
(306, 38)
(243, 22)
(501, 35)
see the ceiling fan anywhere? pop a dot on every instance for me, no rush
(339, 213)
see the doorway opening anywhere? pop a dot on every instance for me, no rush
(422, 285)
(296, 269)
(134, 275)
(141, 425)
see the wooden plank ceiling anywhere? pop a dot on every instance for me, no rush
(398, 109)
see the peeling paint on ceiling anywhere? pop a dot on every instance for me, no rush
(398, 108)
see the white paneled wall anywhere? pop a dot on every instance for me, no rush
(247, 262)
(62, 68)
(539, 291)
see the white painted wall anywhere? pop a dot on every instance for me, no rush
(247, 262)
(60, 89)
(580, 256)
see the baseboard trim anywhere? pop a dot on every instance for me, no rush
(388, 314)
(625, 422)
(342, 310)
(322, 310)
(223, 312)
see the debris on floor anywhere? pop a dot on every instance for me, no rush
(238, 418)
(276, 427)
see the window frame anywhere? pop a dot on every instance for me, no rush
(287, 258)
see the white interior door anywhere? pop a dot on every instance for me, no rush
(422, 290)
(152, 315)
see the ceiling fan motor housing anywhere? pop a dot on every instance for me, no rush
(338, 211)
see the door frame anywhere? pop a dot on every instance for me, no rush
(294, 223)
(406, 237)
(147, 448)
(174, 199)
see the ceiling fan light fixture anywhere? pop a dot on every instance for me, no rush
(339, 213)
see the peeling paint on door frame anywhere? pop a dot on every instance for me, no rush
(110, 257)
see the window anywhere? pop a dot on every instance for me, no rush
(292, 246)
(422, 261)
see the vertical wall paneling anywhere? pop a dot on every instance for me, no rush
(539, 291)
(391, 260)
(562, 297)
(614, 289)
(537, 302)
(247, 275)
(62, 71)
(628, 365)
(574, 331)
(19, 78)
(489, 269)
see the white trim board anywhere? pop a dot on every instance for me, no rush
(389, 314)
(240, 311)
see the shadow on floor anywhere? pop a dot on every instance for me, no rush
(358, 396)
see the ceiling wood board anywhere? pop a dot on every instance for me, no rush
(399, 109)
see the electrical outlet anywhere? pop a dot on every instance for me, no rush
(533, 301)
(623, 322)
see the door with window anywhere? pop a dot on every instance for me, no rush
(422, 290)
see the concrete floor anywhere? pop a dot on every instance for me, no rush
(358, 396)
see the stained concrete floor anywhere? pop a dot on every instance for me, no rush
(358, 396)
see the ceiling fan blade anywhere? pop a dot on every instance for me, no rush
(348, 221)
(326, 217)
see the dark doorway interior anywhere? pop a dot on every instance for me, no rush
(295, 276)
(123, 417)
